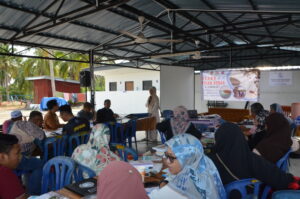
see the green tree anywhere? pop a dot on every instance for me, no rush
(8, 69)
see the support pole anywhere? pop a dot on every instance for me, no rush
(92, 87)
(52, 78)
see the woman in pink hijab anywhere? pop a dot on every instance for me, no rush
(120, 180)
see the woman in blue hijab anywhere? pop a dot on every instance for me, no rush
(192, 174)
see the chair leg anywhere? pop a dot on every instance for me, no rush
(136, 147)
(147, 138)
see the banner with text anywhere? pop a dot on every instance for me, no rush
(280, 78)
(230, 85)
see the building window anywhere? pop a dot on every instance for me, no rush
(147, 85)
(112, 86)
(129, 86)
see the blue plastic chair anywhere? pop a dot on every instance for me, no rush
(131, 133)
(287, 194)
(58, 145)
(241, 185)
(80, 170)
(115, 130)
(283, 162)
(162, 137)
(167, 114)
(76, 140)
(57, 173)
(283, 165)
(125, 151)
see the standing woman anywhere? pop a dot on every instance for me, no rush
(153, 110)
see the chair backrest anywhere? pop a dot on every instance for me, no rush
(130, 131)
(116, 133)
(80, 170)
(241, 187)
(162, 137)
(77, 139)
(287, 194)
(167, 114)
(131, 128)
(125, 151)
(49, 143)
(283, 162)
(56, 144)
(57, 173)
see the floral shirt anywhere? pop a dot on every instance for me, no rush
(260, 121)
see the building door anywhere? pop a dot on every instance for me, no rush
(129, 86)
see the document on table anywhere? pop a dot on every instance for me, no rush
(50, 195)
(150, 189)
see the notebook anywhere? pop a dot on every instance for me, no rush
(84, 188)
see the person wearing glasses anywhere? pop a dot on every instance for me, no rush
(192, 175)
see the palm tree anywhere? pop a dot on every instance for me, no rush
(70, 70)
(8, 69)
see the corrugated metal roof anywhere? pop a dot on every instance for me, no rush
(234, 27)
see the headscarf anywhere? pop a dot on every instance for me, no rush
(180, 122)
(233, 150)
(278, 139)
(260, 116)
(152, 97)
(277, 108)
(120, 180)
(199, 178)
(96, 153)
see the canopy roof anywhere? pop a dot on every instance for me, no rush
(235, 33)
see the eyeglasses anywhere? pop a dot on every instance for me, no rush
(169, 157)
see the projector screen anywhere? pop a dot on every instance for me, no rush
(227, 85)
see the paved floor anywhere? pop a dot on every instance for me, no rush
(294, 167)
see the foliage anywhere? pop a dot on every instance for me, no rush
(14, 70)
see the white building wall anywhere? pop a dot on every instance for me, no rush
(136, 75)
(126, 102)
(284, 95)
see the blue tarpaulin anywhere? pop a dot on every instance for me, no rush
(43, 104)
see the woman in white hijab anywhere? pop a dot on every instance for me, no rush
(153, 109)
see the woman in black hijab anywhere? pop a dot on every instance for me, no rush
(277, 141)
(235, 161)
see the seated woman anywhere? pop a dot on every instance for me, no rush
(276, 108)
(178, 124)
(259, 131)
(192, 174)
(120, 180)
(278, 139)
(96, 153)
(235, 161)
